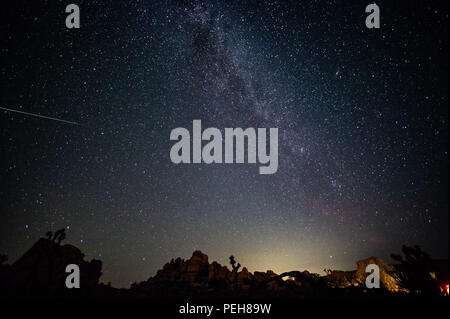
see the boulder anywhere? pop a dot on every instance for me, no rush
(41, 272)
(387, 281)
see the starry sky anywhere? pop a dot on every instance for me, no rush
(362, 116)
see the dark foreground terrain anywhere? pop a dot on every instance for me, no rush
(40, 273)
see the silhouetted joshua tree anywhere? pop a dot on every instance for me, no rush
(235, 270)
(415, 272)
(59, 235)
(49, 235)
(233, 263)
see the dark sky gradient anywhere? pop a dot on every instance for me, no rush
(362, 117)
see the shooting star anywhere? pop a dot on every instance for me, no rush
(38, 115)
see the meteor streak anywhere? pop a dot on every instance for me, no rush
(38, 115)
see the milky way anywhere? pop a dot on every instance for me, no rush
(362, 118)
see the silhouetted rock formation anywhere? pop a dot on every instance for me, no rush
(180, 276)
(339, 278)
(41, 272)
(345, 279)
(196, 277)
(387, 281)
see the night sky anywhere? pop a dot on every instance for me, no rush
(362, 116)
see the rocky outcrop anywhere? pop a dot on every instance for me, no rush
(264, 276)
(197, 277)
(196, 271)
(218, 272)
(200, 277)
(41, 272)
(345, 279)
(340, 279)
(387, 281)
